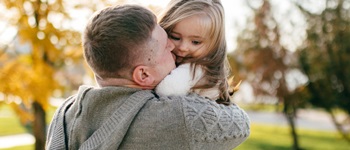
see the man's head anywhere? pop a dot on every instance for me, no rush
(124, 46)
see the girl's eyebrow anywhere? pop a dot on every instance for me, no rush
(197, 37)
(192, 36)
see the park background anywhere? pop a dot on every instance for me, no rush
(292, 56)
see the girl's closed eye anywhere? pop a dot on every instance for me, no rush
(174, 37)
(196, 42)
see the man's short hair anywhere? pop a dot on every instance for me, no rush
(114, 38)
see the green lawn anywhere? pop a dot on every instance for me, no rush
(263, 136)
(270, 137)
(25, 147)
(9, 123)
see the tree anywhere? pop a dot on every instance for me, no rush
(325, 59)
(265, 64)
(29, 64)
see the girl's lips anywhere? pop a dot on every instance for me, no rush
(179, 59)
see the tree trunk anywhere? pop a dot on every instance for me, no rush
(290, 118)
(339, 127)
(39, 126)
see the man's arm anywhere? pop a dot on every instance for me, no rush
(186, 122)
(215, 126)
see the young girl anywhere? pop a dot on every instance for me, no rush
(197, 29)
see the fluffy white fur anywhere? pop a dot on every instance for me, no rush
(179, 82)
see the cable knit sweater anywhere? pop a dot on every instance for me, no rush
(125, 118)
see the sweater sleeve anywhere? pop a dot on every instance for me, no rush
(56, 134)
(215, 126)
(179, 82)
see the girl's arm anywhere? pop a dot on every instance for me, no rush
(179, 81)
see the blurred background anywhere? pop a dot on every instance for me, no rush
(292, 56)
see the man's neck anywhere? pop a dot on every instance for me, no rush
(103, 82)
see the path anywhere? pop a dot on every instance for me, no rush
(16, 140)
(307, 119)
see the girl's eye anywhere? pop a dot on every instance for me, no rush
(196, 42)
(174, 38)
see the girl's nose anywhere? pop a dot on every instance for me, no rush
(183, 47)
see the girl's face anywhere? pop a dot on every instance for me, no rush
(189, 38)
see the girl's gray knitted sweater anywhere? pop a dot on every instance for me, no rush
(132, 119)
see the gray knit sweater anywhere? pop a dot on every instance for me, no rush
(131, 119)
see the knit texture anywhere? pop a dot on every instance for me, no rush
(123, 118)
(211, 123)
(117, 124)
(58, 130)
(214, 122)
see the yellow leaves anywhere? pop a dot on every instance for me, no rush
(31, 80)
(25, 31)
(42, 83)
(11, 3)
(3, 56)
(23, 112)
(32, 70)
(31, 75)
(13, 77)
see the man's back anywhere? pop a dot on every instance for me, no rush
(136, 119)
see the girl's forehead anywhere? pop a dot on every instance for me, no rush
(194, 25)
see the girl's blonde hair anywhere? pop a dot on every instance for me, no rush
(214, 60)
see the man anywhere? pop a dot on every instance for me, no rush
(130, 54)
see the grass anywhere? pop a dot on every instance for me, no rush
(271, 137)
(25, 147)
(9, 123)
(263, 136)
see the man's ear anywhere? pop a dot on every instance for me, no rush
(142, 76)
